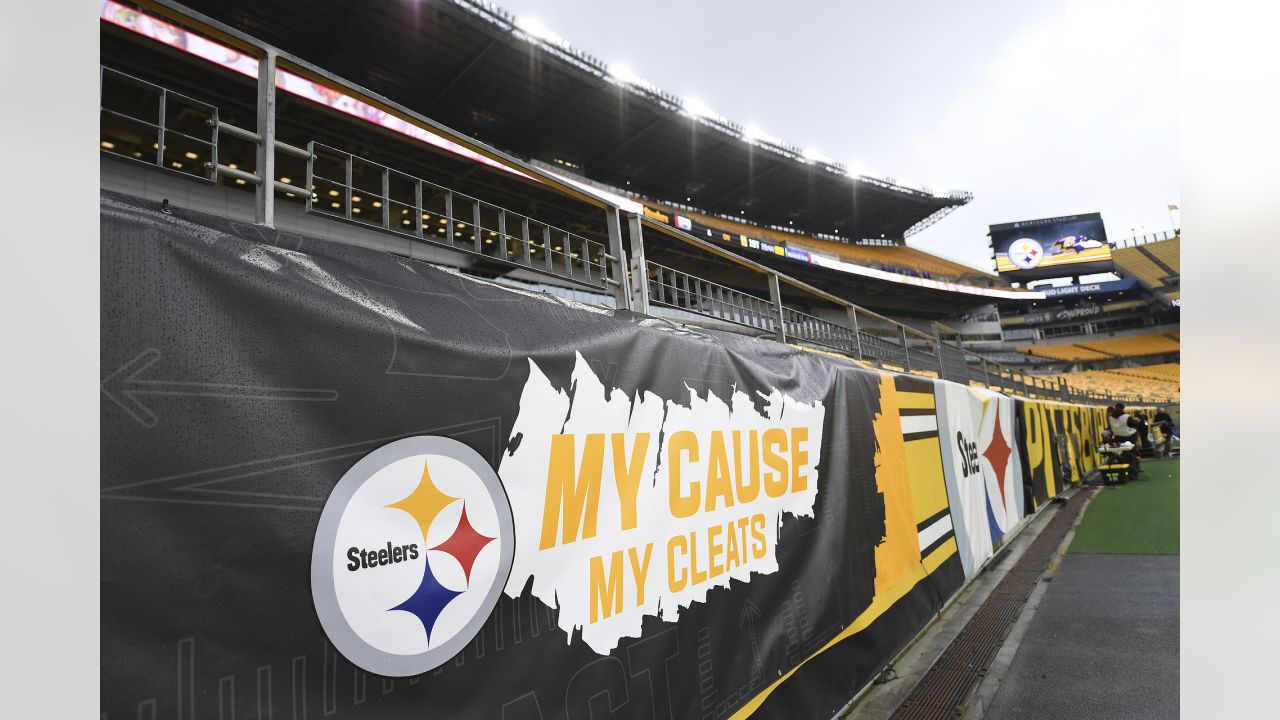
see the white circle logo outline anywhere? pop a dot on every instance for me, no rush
(324, 591)
(1026, 253)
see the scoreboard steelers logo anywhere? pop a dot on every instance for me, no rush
(413, 549)
(1026, 253)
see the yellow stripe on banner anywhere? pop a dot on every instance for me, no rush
(928, 486)
(878, 606)
(899, 550)
(939, 556)
(916, 400)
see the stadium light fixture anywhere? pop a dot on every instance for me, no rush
(697, 108)
(534, 27)
(624, 74)
(855, 169)
(812, 155)
(752, 133)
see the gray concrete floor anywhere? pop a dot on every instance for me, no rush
(880, 701)
(1103, 643)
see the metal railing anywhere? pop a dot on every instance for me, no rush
(156, 126)
(812, 329)
(357, 190)
(345, 187)
(1137, 240)
(683, 291)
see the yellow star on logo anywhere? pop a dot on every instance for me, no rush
(425, 502)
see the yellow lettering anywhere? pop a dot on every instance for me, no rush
(606, 596)
(627, 475)
(676, 583)
(719, 484)
(799, 458)
(640, 570)
(749, 487)
(775, 484)
(732, 558)
(682, 505)
(757, 536)
(577, 499)
(699, 576)
(715, 549)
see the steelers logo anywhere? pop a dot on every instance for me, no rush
(1026, 253)
(411, 554)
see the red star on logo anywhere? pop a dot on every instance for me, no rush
(464, 544)
(997, 453)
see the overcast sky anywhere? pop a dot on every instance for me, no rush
(1039, 108)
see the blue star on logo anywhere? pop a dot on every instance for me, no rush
(428, 601)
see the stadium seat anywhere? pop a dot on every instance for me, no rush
(1067, 352)
(897, 258)
(1134, 346)
(1102, 349)
(1158, 383)
(1143, 262)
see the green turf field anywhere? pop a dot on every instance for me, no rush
(1139, 518)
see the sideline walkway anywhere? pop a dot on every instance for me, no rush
(1103, 642)
(945, 687)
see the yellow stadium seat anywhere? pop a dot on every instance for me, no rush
(1156, 383)
(1102, 349)
(884, 257)
(1138, 261)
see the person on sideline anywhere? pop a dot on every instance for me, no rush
(1144, 430)
(1165, 423)
(1124, 427)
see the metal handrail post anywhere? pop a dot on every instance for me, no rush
(775, 296)
(639, 266)
(621, 291)
(937, 352)
(852, 312)
(906, 351)
(265, 192)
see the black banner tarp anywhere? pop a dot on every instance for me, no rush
(248, 371)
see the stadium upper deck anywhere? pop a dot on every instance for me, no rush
(471, 66)
(1156, 265)
(892, 258)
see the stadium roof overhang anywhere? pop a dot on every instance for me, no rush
(468, 66)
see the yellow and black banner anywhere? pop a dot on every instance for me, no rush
(341, 482)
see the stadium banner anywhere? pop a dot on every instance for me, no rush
(1037, 440)
(983, 471)
(1057, 444)
(1067, 246)
(338, 481)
